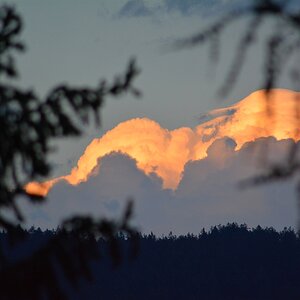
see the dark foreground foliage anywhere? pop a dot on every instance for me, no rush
(28, 125)
(33, 262)
(227, 262)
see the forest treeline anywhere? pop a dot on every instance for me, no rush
(225, 262)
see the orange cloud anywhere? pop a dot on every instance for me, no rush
(165, 152)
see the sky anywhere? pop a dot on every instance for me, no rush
(81, 43)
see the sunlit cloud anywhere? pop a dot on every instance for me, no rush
(165, 153)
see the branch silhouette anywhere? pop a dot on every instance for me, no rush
(281, 46)
(27, 124)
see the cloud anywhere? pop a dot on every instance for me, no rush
(207, 194)
(136, 8)
(185, 179)
(140, 8)
(190, 6)
(212, 186)
(165, 152)
(105, 194)
(216, 113)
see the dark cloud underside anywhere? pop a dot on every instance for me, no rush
(207, 195)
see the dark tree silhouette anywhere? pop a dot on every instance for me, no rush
(225, 262)
(27, 124)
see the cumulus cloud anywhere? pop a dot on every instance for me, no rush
(207, 195)
(212, 186)
(138, 8)
(190, 6)
(165, 152)
(105, 194)
(184, 179)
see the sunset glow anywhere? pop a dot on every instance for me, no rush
(165, 152)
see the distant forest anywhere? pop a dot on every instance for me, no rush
(226, 262)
